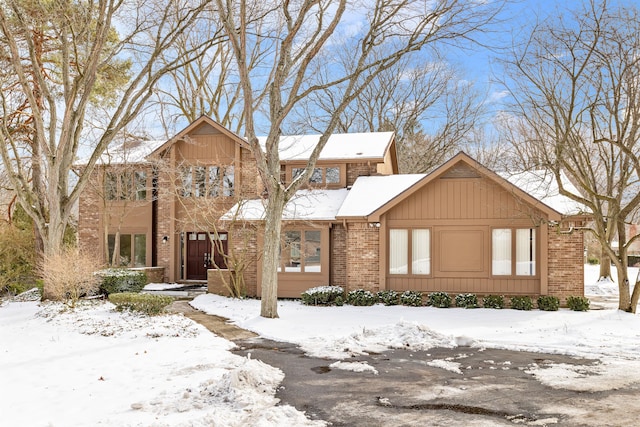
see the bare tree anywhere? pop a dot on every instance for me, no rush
(577, 91)
(57, 98)
(309, 35)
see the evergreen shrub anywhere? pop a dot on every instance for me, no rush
(548, 303)
(323, 295)
(521, 303)
(439, 299)
(467, 300)
(578, 303)
(119, 280)
(390, 297)
(361, 297)
(493, 301)
(142, 303)
(411, 298)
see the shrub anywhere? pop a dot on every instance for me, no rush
(521, 303)
(69, 275)
(548, 303)
(17, 254)
(389, 297)
(323, 295)
(439, 299)
(118, 280)
(467, 300)
(142, 303)
(361, 297)
(493, 301)
(578, 303)
(411, 298)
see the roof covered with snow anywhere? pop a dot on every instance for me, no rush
(306, 205)
(370, 145)
(129, 152)
(542, 185)
(371, 192)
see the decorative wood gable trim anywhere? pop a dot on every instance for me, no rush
(463, 166)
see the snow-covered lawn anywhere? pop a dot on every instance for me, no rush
(94, 366)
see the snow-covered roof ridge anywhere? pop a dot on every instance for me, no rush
(364, 145)
(305, 205)
(129, 152)
(542, 185)
(371, 192)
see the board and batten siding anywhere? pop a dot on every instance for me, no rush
(461, 208)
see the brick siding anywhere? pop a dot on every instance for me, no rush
(566, 263)
(363, 257)
(354, 170)
(338, 256)
(89, 208)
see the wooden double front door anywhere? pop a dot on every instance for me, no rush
(205, 251)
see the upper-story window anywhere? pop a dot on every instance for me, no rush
(324, 175)
(207, 181)
(125, 185)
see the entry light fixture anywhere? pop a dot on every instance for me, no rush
(165, 239)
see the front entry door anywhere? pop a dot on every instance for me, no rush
(199, 254)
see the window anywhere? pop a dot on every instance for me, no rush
(141, 185)
(414, 245)
(320, 175)
(126, 185)
(132, 250)
(300, 251)
(504, 242)
(207, 181)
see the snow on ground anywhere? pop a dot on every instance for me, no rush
(610, 336)
(96, 367)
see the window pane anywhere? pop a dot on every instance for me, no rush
(333, 175)
(200, 174)
(229, 182)
(291, 253)
(398, 249)
(111, 242)
(501, 251)
(312, 251)
(125, 249)
(526, 252)
(141, 185)
(214, 181)
(126, 186)
(187, 180)
(140, 250)
(420, 251)
(111, 186)
(316, 176)
(296, 172)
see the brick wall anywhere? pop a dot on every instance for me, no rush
(250, 179)
(363, 257)
(338, 256)
(165, 198)
(354, 170)
(89, 208)
(245, 246)
(566, 263)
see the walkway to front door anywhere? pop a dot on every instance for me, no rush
(200, 255)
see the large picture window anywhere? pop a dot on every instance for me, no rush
(413, 245)
(505, 242)
(300, 251)
(126, 185)
(132, 250)
(207, 181)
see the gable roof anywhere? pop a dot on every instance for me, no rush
(340, 146)
(194, 125)
(373, 212)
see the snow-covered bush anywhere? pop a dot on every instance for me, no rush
(578, 303)
(323, 295)
(467, 301)
(361, 297)
(390, 297)
(493, 301)
(521, 303)
(548, 303)
(142, 303)
(116, 280)
(411, 298)
(439, 299)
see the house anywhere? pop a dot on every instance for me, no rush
(181, 209)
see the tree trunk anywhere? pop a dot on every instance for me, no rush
(635, 295)
(605, 265)
(271, 249)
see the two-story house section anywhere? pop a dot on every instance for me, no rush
(181, 209)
